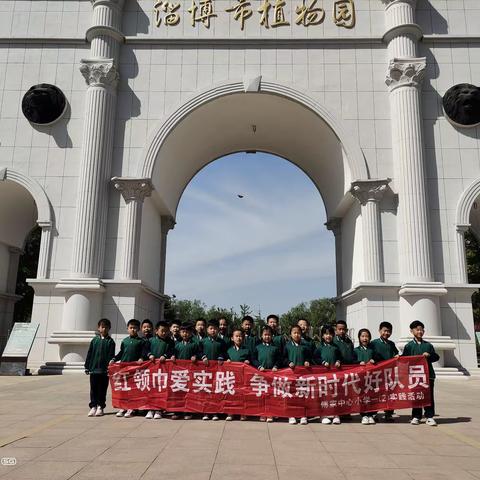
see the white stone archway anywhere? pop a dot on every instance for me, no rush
(23, 204)
(266, 117)
(353, 153)
(44, 214)
(462, 224)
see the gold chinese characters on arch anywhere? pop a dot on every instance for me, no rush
(269, 13)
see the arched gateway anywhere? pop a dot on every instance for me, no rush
(348, 90)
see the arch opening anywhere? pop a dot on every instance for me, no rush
(19, 211)
(284, 123)
(277, 120)
(468, 249)
(250, 229)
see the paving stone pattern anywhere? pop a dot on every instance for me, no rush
(44, 426)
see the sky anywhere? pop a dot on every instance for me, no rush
(269, 249)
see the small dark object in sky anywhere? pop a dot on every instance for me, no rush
(239, 196)
(43, 104)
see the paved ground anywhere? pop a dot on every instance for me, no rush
(43, 425)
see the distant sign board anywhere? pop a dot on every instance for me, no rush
(15, 356)
(21, 340)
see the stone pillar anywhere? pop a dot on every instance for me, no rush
(334, 224)
(419, 293)
(43, 269)
(89, 237)
(133, 191)
(369, 193)
(404, 79)
(101, 75)
(168, 223)
(84, 289)
(461, 253)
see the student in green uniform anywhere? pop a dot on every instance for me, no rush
(384, 349)
(175, 330)
(223, 330)
(213, 348)
(250, 340)
(344, 343)
(363, 356)
(237, 352)
(159, 347)
(186, 349)
(147, 329)
(277, 338)
(328, 355)
(100, 352)
(268, 357)
(131, 350)
(418, 346)
(200, 330)
(297, 353)
(304, 324)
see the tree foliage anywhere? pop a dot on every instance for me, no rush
(184, 310)
(318, 312)
(472, 250)
(27, 268)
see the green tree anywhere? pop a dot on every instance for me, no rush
(245, 310)
(27, 268)
(318, 312)
(323, 312)
(472, 250)
(220, 312)
(293, 316)
(184, 310)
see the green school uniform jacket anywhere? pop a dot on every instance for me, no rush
(345, 345)
(310, 343)
(131, 350)
(239, 354)
(159, 347)
(214, 348)
(363, 354)
(383, 350)
(279, 341)
(186, 350)
(327, 353)
(226, 339)
(419, 348)
(100, 352)
(197, 338)
(251, 342)
(297, 354)
(268, 356)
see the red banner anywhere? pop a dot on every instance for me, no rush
(236, 388)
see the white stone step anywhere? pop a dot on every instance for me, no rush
(450, 372)
(60, 368)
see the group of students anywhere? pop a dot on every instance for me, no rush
(205, 341)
